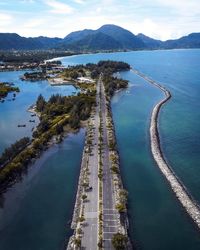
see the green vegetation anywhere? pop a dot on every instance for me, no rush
(79, 231)
(121, 206)
(81, 219)
(59, 114)
(84, 197)
(113, 83)
(55, 113)
(77, 242)
(106, 68)
(119, 241)
(62, 110)
(74, 72)
(5, 88)
(13, 150)
(100, 242)
(32, 56)
(17, 165)
(34, 76)
(94, 70)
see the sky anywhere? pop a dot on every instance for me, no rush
(160, 19)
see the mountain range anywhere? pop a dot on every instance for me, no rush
(106, 38)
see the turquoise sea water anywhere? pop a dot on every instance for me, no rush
(156, 217)
(35, 212)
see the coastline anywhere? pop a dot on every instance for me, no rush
(181, 192)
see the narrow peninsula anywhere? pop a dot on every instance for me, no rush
(100, 214)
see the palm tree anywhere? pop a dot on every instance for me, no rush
(119, 241)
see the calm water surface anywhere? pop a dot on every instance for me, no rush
(15, 112)
(157, 220)
(35, 212)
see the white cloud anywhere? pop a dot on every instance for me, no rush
(79, 1)
(58, 7)
(160, 19)
(150, 28)
(5, 19)
(33, 23)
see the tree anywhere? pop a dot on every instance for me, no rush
(119, 241)
(121, 207)
(40, 103)
(77, 242)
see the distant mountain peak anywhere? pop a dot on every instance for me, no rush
(107, 37)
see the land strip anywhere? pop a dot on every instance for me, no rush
(111, 217)
(100, 209)
(85, 217)
(177, 186)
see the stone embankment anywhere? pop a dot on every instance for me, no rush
(177, 186)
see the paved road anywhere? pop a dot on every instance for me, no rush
(90, 239)
(110, 214)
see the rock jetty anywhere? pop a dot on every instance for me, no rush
(177, 186)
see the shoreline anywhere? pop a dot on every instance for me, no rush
(181, 192)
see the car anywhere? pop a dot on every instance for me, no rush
(88, 189)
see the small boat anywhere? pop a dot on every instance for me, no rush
(31, 120)
(21, 125)
(33, 115)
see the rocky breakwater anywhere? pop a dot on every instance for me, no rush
(177, 186)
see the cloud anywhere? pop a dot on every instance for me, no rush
(5, 19)
(58, 7)
(33, 23)
(161, 19)
(150, 28)
(79, 1)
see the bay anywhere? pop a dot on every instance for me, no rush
(157, 221)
